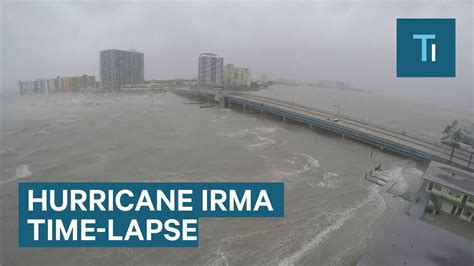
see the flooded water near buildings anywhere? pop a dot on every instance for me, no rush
(330, 210)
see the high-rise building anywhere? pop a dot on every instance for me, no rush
(236, 77)
(210, 71)
(119, 68)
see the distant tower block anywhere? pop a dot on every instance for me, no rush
(118, 68)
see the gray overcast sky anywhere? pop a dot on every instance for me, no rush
(349, 41)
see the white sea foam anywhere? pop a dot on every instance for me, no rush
(251, 136)
(21, 172)
(414, 172)
(337, 220)
(373, 215)
(41, 132)
(101, 159)
(292, 169)
(266, 130)
(329, 180)
(261, 141)
(400, 185)
(42, 148)
(220, 258)
(89, 102)
(310, 162)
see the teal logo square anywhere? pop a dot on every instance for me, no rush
(426, 47)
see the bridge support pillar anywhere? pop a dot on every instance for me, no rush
(470, 159)
(219, 97)
(452, 153)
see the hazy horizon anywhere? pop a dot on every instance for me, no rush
(305, 41)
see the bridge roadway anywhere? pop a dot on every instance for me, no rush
(388, 138)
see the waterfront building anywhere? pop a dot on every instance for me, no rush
(236, 77)
(451, 190)
(263, 80)
(210, 71)
(33, 86)
(77, 83)
(333, 84)
(55, 85)
(58, 84)
(118, 68)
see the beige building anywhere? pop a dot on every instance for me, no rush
(236, 77)
(57, 84)
(76, 83)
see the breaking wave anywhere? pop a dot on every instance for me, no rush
(266, 130)
(337, 220)
(400, 185)
(294, 167)
(253, 138)
(259, 140)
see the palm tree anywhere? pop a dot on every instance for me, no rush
(457, 135)
(452, 136)
(446, 131)
(454, 124)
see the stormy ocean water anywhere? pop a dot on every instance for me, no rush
(330, 210)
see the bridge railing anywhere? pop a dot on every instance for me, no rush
(446, 153)
(398, 131)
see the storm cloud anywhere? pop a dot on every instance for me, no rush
(352, 41)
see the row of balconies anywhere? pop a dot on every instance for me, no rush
(450, 194)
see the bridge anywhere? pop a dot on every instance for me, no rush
(386, 138)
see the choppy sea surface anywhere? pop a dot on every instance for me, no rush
(330, 210)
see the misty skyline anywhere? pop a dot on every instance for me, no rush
(352, 42)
